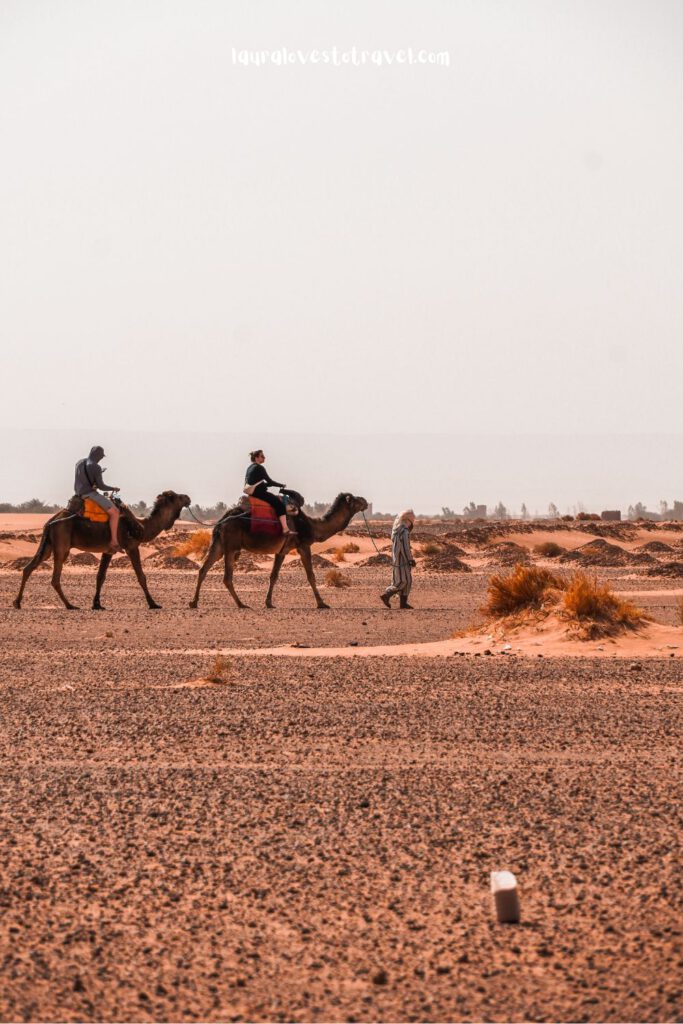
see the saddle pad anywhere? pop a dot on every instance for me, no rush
(263, 518)
(92, 511)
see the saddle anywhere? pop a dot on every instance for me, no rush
(264, 519)
(87, 508)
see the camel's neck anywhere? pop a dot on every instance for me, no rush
(157, 523)
(323, 529)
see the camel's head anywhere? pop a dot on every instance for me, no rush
(356, 504)
(171, 504)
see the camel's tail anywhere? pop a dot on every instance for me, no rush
(44, 540)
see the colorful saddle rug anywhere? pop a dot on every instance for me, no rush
(263, 518)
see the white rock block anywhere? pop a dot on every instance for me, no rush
(505, 896)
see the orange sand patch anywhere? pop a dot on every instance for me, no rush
(33, 522)
(548, 639)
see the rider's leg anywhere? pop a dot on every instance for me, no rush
(114, 516)
(275, 503)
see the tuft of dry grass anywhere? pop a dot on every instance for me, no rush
(549, 549)
(220, 669)
(350, 548)
(525, 587)
(596, 610)
(334, 578)
(197, 544)
(431, 547)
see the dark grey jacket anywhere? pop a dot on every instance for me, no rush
(89, 476)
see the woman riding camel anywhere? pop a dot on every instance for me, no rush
(257, 482)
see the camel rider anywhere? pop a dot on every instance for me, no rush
(257, 482)
(89, 483)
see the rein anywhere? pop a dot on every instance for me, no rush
(198, 520)
(367, 525)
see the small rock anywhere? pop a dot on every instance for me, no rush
(635, 666)
(380, 978)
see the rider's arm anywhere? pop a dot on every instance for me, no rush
(271, 483)
(96, 474)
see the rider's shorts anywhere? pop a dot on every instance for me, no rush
(100, 499)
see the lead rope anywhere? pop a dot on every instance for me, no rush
(367, 525)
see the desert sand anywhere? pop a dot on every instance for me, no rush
(196, 827)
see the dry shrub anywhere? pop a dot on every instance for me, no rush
(220, 668)
(525, 587)
(597, 610)
(333, 578)
(350, 548)
(431, 547)
(196, 545)
(549, 549)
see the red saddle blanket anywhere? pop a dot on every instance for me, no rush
(263, 518)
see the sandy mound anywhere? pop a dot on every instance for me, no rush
(602, 553)
(446, 560)
(245, 563)
(317, 561)
(21, 563)
(506, 552)
(379, 559)
(655, 547)
(617, 531)
(671, 569)
(167, 561)
(83, 558)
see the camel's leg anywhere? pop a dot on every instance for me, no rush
(274, 573)
(212, 555)
(305, 553)
(227, 578)
(41, 555)
(59, 558)
(101, 573)
(134, 555)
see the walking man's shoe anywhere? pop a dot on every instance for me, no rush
(385, 600)
(404, 603)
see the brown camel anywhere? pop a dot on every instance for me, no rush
(232, 534)
(65, 531)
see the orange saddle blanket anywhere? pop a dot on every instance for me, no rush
(263, 518)
(92, 511)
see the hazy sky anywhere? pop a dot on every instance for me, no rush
(491, 247)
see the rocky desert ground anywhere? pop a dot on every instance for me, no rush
(194, 828)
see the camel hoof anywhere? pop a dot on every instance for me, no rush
(72, 608)
(154, 606)
(17, 605)
(193, 604)
(98, 608)
(323, 607)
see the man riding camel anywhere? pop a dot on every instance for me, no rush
(89, 482)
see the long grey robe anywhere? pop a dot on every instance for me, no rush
(401, 557)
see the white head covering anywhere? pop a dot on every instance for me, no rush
(406, 518)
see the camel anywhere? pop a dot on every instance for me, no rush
(65, 531)
(232, 534)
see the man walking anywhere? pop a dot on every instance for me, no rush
(401, 559)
